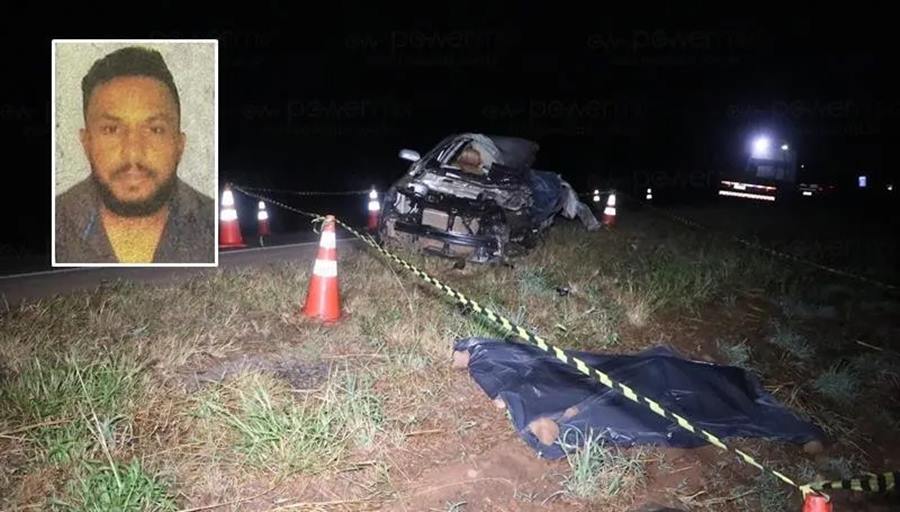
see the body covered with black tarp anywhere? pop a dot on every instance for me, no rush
(725, 400)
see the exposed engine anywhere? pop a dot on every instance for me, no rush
(472, 197)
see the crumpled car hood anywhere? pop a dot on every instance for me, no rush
(476, 197)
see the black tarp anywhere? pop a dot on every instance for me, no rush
(725, 400)
(516, 152)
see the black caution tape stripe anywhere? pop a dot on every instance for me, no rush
(511, 327)
(308, 192)
(870, 483)
(246, 191)
(819, 266)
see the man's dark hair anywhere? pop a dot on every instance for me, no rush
(132, 61)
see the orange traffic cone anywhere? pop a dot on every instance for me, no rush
(262, 217)
(229, 228)
(609, 213)
(323, 300)
(374, 211)
(816, 503)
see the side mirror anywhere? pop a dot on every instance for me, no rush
(409, 154)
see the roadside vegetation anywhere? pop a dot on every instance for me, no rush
(214, 391)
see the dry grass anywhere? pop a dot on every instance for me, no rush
(193, 382)
(601, 473)
(791, 341)
(215, 388)
(840, 383)
(95, 379)
(736, 353)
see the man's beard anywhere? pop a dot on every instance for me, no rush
(143, 208)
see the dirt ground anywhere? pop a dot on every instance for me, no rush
(441, 444)
(487, 467)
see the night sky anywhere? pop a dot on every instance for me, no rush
(325, 99)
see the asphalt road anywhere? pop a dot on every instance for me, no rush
(15, 289)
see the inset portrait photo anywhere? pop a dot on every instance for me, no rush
(134, 141)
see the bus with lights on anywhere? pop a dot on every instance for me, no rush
(770, 173)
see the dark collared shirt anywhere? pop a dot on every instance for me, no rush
(188, 237)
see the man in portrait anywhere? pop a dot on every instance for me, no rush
(133, 207)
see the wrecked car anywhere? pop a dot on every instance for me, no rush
(476, 197)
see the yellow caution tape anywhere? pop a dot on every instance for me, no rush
(310, 192)
(870, 483)
(511, 327)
